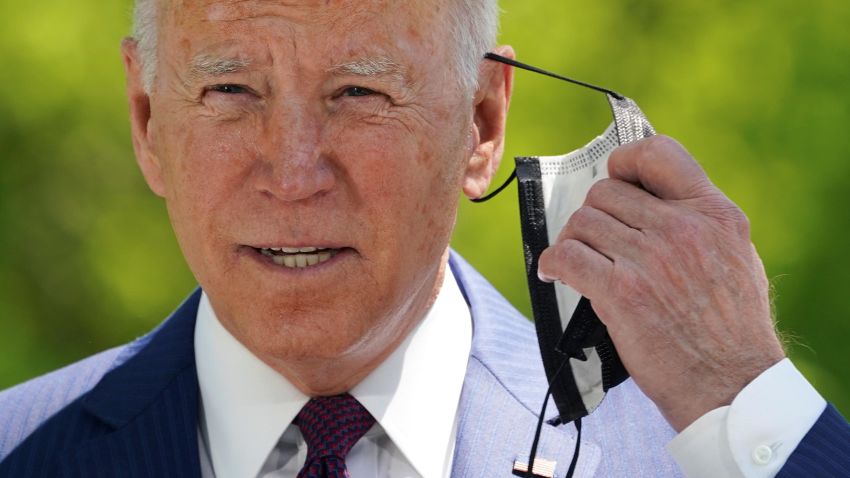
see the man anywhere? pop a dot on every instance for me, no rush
(310, 155)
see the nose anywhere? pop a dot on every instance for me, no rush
(295, 165)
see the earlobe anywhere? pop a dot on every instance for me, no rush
(140, 116)
(488, 129)
(475, 177)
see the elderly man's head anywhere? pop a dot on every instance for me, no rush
(311, 155)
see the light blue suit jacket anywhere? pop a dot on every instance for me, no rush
(132, 411)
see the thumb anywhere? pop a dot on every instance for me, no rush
(660, 165)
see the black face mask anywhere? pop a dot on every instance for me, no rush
(579, 357)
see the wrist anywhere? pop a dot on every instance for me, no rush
(710, 391)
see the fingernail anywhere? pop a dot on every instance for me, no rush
(543, 277)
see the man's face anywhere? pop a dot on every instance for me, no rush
(301, 125)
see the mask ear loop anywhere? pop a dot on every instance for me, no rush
(524, 66)
(532, 455)
(498, 190)
(529, 473)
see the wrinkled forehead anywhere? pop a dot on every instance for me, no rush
(339, 28)
(297, 10)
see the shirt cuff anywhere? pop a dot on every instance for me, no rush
(754, 436)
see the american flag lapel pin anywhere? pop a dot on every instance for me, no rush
(541, 469)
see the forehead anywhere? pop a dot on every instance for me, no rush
(330, 30)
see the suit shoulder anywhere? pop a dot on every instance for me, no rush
(24, 407)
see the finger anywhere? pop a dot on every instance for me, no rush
(602, 232)
(661, 166)
(577, 265)
(628, 203)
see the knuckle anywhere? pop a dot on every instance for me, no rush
(577, 262)
(567, 253)
(599, 191)
(630, 289)
(723, 210)
(703, 187)
(582, 219)
(636, 240)
(739, 221)
(736, 215)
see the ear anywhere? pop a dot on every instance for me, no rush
(140, 115)
(487, 138)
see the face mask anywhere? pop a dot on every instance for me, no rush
(580, 360)
(579, 357)
(551, 189)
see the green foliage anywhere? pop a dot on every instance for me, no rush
(754, 89)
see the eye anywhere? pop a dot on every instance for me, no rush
(228, 89)
(357, 91)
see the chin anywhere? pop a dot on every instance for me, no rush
(306, 333)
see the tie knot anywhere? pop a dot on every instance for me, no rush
(332, 425)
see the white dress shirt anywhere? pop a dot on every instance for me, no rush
(247, 407)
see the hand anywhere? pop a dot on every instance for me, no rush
(667, 263)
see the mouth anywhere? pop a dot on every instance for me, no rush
(298, 257)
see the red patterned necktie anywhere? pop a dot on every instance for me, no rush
(331, 426)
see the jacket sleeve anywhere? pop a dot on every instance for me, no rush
(824, 451)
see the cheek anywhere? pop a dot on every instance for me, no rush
(204, 168)
(408, 181)
(205, 158)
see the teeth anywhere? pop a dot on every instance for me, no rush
(298, 257)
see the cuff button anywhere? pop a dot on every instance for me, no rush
(762, 455)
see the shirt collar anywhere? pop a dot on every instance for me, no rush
(413, 394)
(246, 404)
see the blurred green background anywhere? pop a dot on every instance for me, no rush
(757, 90)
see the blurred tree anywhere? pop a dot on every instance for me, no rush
(755, 89)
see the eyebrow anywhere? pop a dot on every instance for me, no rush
(208, 65)
(204, 65)
(370, 67)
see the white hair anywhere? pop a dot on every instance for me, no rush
(474, 28)
(474, 25)
(145, 33)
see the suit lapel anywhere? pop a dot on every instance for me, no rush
(149, 408)
(503, 391)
